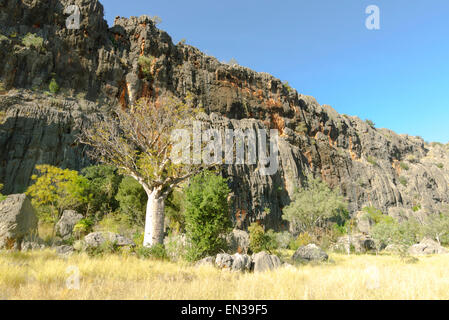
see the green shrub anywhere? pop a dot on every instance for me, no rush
(287, 86)
(56, 190)
(2, 197)
(416, 208)
(403, 181)
(402, 234)
(83, 227)
(53, 86)
(314, 205)
(207, 215)
(303, 239)
(301, 128)
(370, 123)
(175, 211)
(145, 64)
(440, 165)
(404, 166)
(436, 226)
(156, 251)
(259, 240)
(107, 247)
(376, 215)
(103, 186)
(372, 160)
(31, 40)
(132, 200)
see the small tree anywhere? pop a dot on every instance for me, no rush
(313, 205)
(58, 190)
(2, 197)
(139, 142)
(207, 214)
(259, 240)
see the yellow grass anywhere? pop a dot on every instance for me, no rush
(43, 275)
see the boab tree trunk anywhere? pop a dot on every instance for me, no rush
(154, 220)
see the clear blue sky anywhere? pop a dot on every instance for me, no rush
(397, 76)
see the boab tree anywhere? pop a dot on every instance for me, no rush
(139, 141)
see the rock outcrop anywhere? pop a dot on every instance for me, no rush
(17, 221)
(97, 70)
(308, 253)
(427, 246)
(264, 261)
(97, 239)
(64, 227)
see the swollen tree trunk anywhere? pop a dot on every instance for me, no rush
(154, 221)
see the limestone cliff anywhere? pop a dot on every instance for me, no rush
(97, 70)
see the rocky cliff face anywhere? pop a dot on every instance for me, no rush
(97, 70)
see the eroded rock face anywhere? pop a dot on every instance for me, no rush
(97, 69)
(17, 220)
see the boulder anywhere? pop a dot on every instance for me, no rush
(208, 261)
(65, 225)
(17, 220)
(427, 246)
(360, 243)
(241, 262)
(31, 243)
(310, 252)
(223, 261)
(64, 250)
(96, 239)
(263, 261)
(238, 241)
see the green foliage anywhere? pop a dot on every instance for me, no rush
(103, 184)
(376, 215)
(175, 211)
(56, 190)
(145, 64)
(403, 181)
(436, 227)
(313, 206)
(416, 208)
(370, 123)
(53, 86)
(404, 166)
(83, 227)
(440, 165)
(107, 247)
(303, 239)
(132, 200)
(207, 214)
(371, 160)
(402, 234)
(156, 251)
(2, 197)
(31, 40)
(301, 128)
(259, 240)
(287, 86)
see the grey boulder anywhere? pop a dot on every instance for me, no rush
(241, 262)
(223, 261)
(310, 252)
(208, 261)
(264, 262)
(17, 220)
(65, 225)
(427, 246)
(96, 239)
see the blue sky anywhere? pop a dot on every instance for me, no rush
(397, 76)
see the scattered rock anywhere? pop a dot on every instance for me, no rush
(17, 220)
(208, 261)
(241, 262)
(223, 261)
(360, 243)
(310, 252)
(427, 246)
(65, 225)
(64, 250)
(238, 241)
(31, 243)
(264, 262)
(96, 239)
